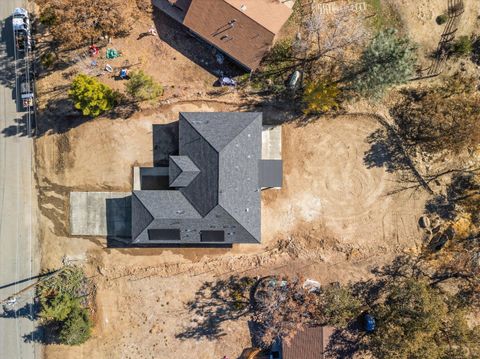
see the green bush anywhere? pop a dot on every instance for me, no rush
(463, 46)
(77, 327)
(441, 19)
(47, 59)
(58, 307)
(321, 96)
(143, 87)
(91, 96)
(338, 305)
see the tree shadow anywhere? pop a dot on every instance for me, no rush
(384, 151)
(19, 129)
(388, 151)
(345, 343)
(44, 334)
(445, 206)
(216, 303)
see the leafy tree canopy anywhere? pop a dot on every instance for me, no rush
(91, 96)
(321, 96)
(338, 306)
(417, 320)
(388, 60)
(77, 327)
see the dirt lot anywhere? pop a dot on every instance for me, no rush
(334, 220)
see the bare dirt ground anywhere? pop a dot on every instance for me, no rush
(419, 22)
(335, 219)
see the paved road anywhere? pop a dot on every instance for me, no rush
(18, 247)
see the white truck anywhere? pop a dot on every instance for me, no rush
(21, 30)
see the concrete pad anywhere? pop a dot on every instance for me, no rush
(100, 214)
(272, 143)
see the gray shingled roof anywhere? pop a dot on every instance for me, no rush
(182, 171)
(219, 155)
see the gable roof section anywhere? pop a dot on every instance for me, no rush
(181, 171)
(219, 128)
(141, 217)
(230, 30)
(239, 193)
(270, 14)
(308, 343)
(202, 192)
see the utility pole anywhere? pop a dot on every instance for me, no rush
(12, 298)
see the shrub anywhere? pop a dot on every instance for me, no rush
(58, 307)
(47, 17)
(463, 46)
(63, 305)
(47, 59)
(437, 120)
(441, 19)
(338, 305)
(77, 327)
(143, 87)
(320, 96)
(91, 96)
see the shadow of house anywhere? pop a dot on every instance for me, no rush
(165, 143)
(119, 213)
(185, 42)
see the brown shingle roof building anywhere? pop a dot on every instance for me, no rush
(243, 29)
(310, 343)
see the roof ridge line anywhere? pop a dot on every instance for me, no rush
(236, 221)
(251, 18)
(206, 140)
(243, 130)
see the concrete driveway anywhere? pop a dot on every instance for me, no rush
(100, 214)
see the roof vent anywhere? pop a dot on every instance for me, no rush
(243, 7)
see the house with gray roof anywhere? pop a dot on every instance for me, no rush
(210, 191)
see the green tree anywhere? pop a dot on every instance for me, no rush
(143, 87)
(338, 306)
(91, 96)
(77, 327)
(418, 321)
(320, 96)
(388, 60)
(63, 305)
(58, 307)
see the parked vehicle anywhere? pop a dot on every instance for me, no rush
(26, 92)
(368, 322)
(227, 81)
(21, 29)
